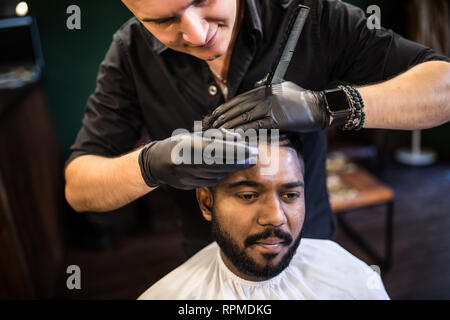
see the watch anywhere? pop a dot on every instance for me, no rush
(337, 105)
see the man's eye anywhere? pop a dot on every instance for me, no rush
(248, 196)
(290, 195)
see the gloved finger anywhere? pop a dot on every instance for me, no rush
(216, 139)
(257, 113)
(201, 183)
(234, 112)
(226, 166)
(233, 163)
(201, 173)
(228, 133)
(265, 123)
(215, 151)
(252, 94)
(211, 171)
(237, 166)
(217, 135)
(226, 147)
(220, 110)
(192, 182)
(234, 156)
(240, 148)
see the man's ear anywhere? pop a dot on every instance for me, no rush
(205, 201)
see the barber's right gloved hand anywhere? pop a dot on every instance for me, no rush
(284, 106)
(163, 162)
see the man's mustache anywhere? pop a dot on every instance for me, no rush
(272, 232)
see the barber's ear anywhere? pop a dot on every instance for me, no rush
(205, 201)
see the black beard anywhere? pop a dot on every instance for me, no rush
(246, 264)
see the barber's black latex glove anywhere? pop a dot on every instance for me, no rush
(161, 162)
(283, 106)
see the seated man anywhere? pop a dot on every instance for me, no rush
(258, 253)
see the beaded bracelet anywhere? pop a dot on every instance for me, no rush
(363, 115)
(357, 114)
(356, 118)
(348, 124)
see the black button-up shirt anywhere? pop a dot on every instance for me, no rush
(142, 84)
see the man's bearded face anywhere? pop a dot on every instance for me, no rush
(257, 219)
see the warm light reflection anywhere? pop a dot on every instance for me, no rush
(22, 8)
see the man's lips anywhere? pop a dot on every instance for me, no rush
(270, 244)
(270, 241)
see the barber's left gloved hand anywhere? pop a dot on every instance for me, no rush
(283, 106)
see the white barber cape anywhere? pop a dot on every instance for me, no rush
(321, 269)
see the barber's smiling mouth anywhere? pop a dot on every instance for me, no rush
(211, 41)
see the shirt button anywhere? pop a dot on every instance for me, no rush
(212, 90)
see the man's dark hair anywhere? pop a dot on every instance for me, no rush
(286, 139)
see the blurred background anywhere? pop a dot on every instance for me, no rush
(390, 190)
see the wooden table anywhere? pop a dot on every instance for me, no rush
(366, 191)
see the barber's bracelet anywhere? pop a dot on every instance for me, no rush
(357, 117)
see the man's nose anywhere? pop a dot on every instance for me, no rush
(272, 212)
(194, 28)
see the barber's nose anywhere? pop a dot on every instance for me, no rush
(194, 28)
(271, 212)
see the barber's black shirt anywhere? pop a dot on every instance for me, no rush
(142, 84)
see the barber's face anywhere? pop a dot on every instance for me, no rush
(257, 219)
(202, 28)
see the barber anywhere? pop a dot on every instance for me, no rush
(177, 60)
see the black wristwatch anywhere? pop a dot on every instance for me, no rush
(338, 105)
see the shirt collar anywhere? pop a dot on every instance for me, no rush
(252, 17)
(157, 46)
(252, 21)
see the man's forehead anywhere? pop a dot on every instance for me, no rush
(287, 170)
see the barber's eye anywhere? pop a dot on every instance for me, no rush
(200, 2)
(247, 196)
(163, 21)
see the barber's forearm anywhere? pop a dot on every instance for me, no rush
(100, 184)
(416, 99)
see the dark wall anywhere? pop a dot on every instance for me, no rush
(72, 57)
